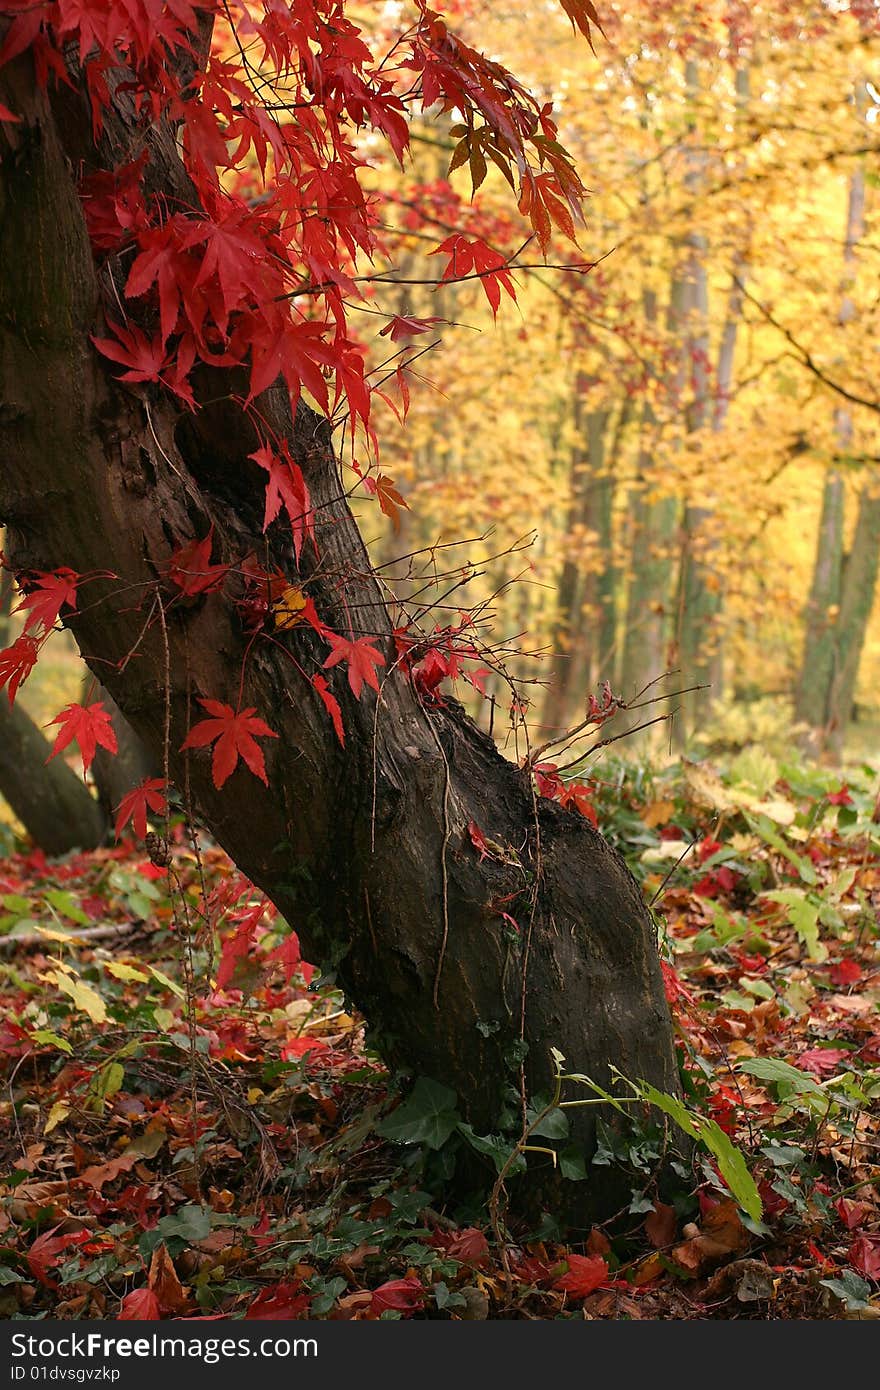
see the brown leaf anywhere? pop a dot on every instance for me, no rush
(597, 1242)
(99, 1173)
(722, 1234)
(164, 1283)
(660, 1225)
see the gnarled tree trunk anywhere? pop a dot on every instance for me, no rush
(364, 849)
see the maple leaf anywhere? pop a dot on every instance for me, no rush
(331, 705)
(141, 1305)
(582, 14)
(46, 1251)
(16, 664)
(191, 570)
(585, 1274)
(403, 326)
(390, 500)
(144, 357)
(89, 726)
(7, 115)
(472, 257)
(287, 487)
(289, 958)
(362, 659)
(150, 795)
(235, 735)
(237, 945)
(46, 596)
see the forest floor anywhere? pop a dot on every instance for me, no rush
(193, 1125)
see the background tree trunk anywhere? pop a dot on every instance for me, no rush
(365, 849)
(842, 590)
(583, 634)
(52, 803)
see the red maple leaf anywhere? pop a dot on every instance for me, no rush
(88, 726)
(191, 570)
(46, 597)
(289, 957)
(331, 705)
(403, 326)
(287, 487)
(585, 1274)
(150, 795)
(46, 1251)
(474, 258)
(362, 659)
(7, 115)
(144, 357)
(235, 736)
(238, 943)
(16, 664)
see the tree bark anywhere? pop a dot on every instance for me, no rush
(365, 849)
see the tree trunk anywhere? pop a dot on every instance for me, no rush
(365, 849)
(698, 584)
(842, 589)
(823, 605)
(583, 634)
(652, 527)
(857, 601)
(51, 802)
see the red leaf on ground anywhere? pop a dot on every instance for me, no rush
(864, 1256)
(845, 972)
(852, 1214)
(141, 1305)
(841, 797)
(585, 1274)
(821, 1061)
(404, 1296)
(286, 1300)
